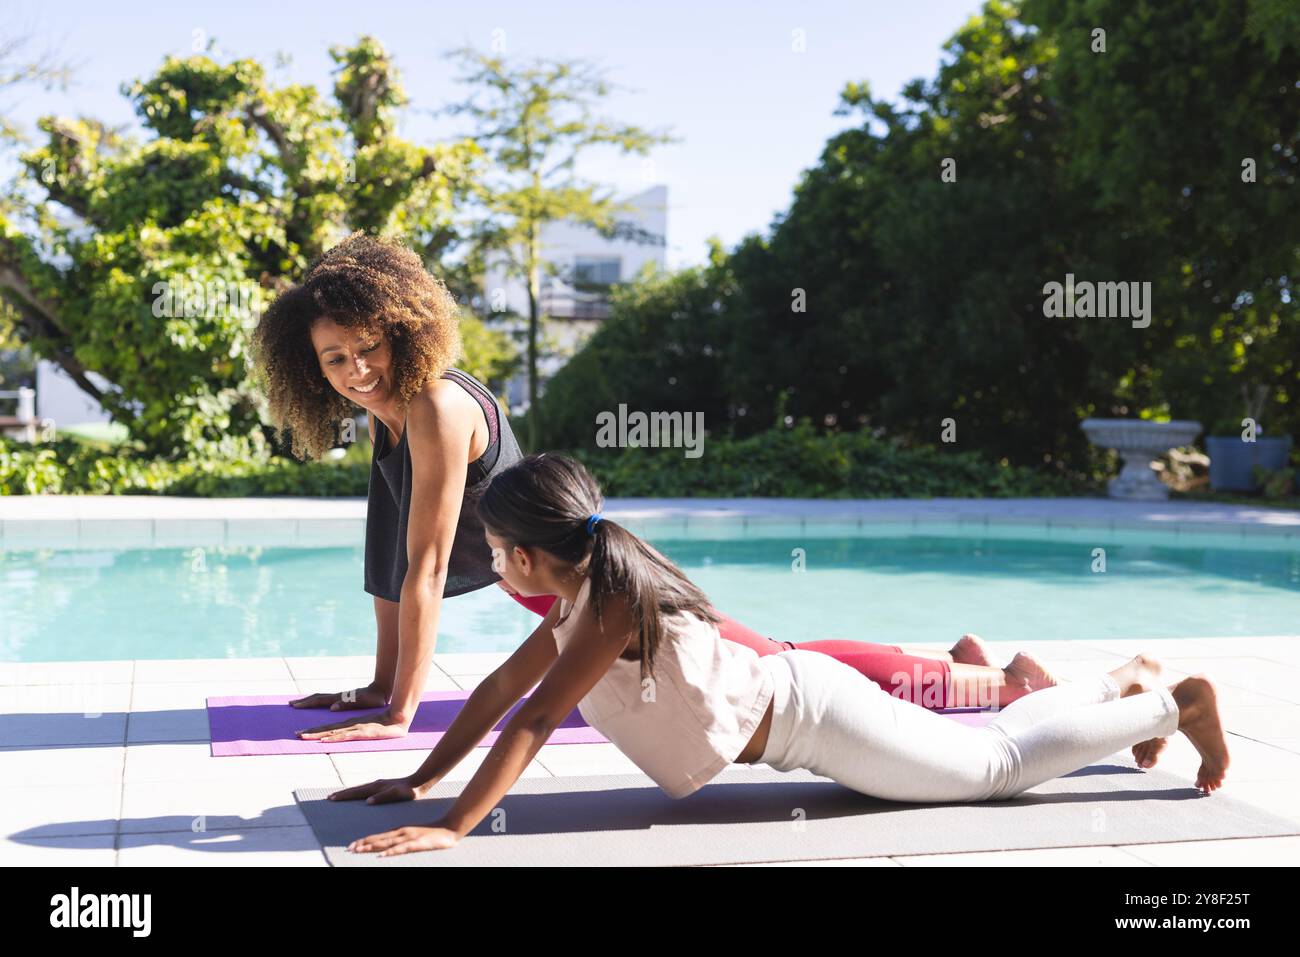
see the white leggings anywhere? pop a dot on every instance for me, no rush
(831, 719)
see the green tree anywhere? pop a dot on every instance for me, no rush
(1161, 129)
(886, 297)
(890, 298)
(535, 121)
(146, 259)
(17, 69)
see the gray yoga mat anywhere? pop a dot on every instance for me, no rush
(747, 815)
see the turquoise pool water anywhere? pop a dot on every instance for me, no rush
(58, 605)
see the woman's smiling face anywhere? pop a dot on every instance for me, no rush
(356, 362)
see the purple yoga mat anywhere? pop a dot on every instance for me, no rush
(265, 724)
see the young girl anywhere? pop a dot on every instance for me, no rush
(634, 645)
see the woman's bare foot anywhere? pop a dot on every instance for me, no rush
(1135, 677)
(1026, 668)
(1198, 718)
(971, 650)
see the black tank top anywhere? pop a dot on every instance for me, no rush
(389, 504)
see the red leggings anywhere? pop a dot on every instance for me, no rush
(926, 678)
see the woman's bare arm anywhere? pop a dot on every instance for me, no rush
(439, 437)
(439, 441)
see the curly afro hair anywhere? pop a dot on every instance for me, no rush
(365, 283)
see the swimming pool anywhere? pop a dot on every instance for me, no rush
(241, 601)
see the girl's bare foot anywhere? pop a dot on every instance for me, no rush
(1136, 677)
(1139, 675)
(971, 650)
(1198, 718)
(1146, 753)
(1029, 670)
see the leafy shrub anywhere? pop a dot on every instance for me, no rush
(801, 462)
(795, 462)
(70, 466)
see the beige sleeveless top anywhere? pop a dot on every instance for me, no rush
(706, 700)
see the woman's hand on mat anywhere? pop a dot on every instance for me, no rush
(367, 697)
(383, 791)
(365, 727)
(404, 840)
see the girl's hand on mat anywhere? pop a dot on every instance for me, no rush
(383, 791)
(404, 840)
(367, 697)
(366, 727)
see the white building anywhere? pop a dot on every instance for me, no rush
(580, 255)
(61, 400)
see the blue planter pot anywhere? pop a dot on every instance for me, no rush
(1231, 460)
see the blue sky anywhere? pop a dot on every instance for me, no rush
(750, 113)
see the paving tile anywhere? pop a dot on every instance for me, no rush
(211, 671)
(1283, 649)
(333, 666)
(1242, 852)
(1160, 647)
(54, 730)
(71, 765)
(85, 699)
(67, 714)
(362, 767)
(1051, 650)
(1277, 797)
(578, 759)
(186, 762)
(208, 806)
(1286, 744)
(59, 811)
(177, 711)
(65, 672)
(1249, 761)
(251, 847)
(1264, 722)
(844, 862)
(1269, 681)
(1035, 857)
(471, 663)
(85, 850)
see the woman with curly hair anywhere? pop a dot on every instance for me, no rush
(370, 327)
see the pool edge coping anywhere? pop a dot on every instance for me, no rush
(170, 521)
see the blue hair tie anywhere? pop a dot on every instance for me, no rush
(591, 522)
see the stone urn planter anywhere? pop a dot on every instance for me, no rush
(1138, 442)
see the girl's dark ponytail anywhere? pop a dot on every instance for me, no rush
(551, 502)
